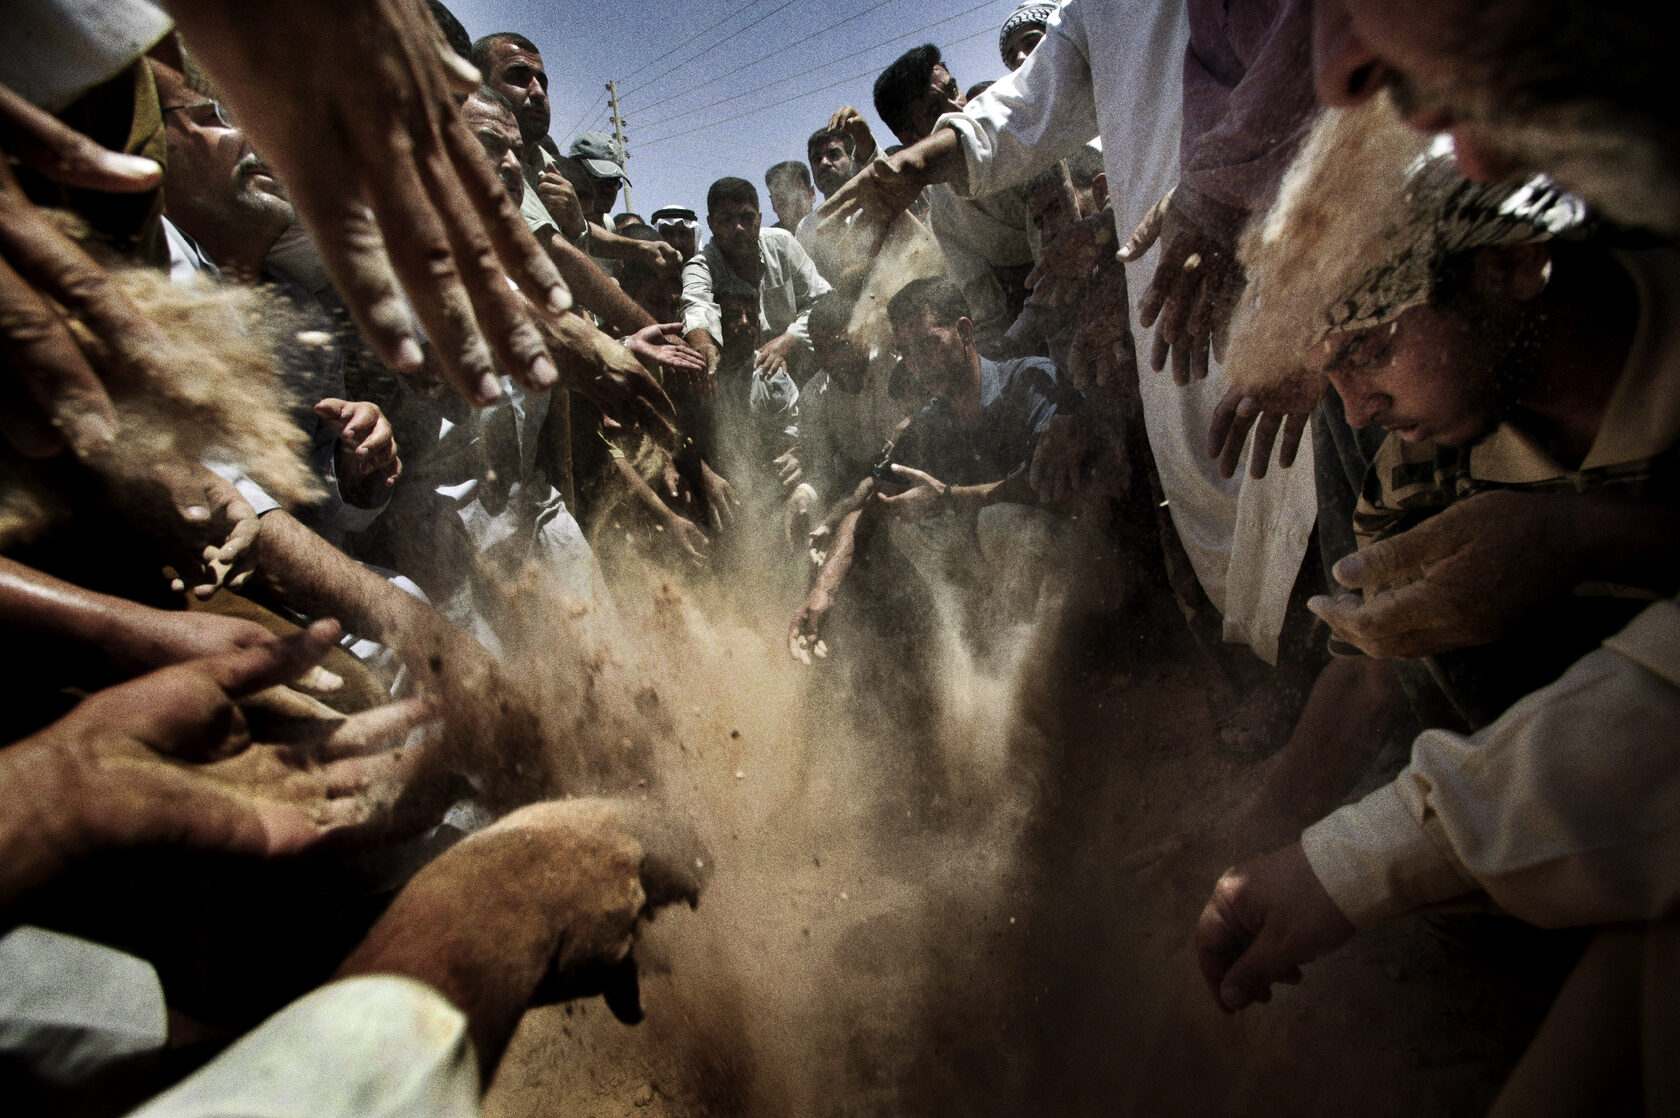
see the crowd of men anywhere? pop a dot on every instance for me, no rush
(1415, 261)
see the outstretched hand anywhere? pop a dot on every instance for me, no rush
(170, 758)
(662, 345)
(1196, 285)
(1279, 411)
(1267, 919)
(351, 102)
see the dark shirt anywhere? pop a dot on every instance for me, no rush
(1017, 398)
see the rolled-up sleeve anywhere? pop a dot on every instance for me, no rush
(1565, 811)
(699, 308)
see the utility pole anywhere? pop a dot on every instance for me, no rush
(618, 134)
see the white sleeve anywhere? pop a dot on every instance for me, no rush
(1565, 811)
(364, 1047)
(1029, 119)
(699, 309)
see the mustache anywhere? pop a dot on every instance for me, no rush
(251, 165)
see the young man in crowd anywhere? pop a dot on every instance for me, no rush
(848, 413)
(742, 255)
(791, 194)
(986, 240)
(954, 491)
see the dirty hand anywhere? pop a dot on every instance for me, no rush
(559, 198)
(661, 257)
(927, 496)
(721, 502)
(1102, 354)
(1458, 579)
(1059, 459)
(1068, 264)
(772, 356)
(788, 467)
(662, 344)
(569, 883)
(805, 634)
(880, 192)
(848, 120)
(170, 758)
(1267, 918)
(365, 435)
(54, 394)
(1196, 285)
(604, 372)
(352, 103)
(1281, 410)
(207, 528)
(796, 516)
(688, 538)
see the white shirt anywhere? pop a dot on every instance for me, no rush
(788, 283)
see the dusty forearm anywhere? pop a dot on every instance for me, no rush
(934, 160)
(640, 491)
(596, 291)
(316, 579)
(841, 555)
(486, 959)
(972, 498)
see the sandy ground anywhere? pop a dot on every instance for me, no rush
(957, 906)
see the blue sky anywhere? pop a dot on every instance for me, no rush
(746, 91)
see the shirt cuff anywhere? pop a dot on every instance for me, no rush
(1652, 640)
(1376, 860)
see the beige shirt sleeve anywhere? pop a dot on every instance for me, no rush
(1565, 811)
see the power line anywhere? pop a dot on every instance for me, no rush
(788, 100)
(691, 38)
(719, 43)
(588, 114)
(782, 50)
(817, 70)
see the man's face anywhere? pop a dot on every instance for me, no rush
(734, 227)
(599, 199)
(1020, 43)
(791, 201)
(1049, 212)
(831, 166)
(1490, 74)
(498, 133)
(740, 322)
(1446, 376)
(660, 296)
(518, 75)
(214, 185)
(680, 234)
(936, 354)
(840, 357)
(941, 96)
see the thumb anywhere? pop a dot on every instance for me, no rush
(1396, 559)
(1250, 978)
(273, 662)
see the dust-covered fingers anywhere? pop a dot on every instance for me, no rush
(1289, 441)
(273, 662)
(1265, 438)
(42, 142)
(366, 732)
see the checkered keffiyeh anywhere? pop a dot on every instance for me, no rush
(1447, 214)
(1024, 15)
